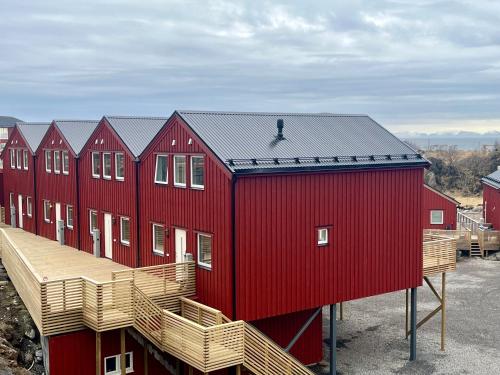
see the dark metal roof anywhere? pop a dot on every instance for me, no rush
(247, 142)
(136, 132)
(33, 132)
(8, 122)
(493, 179)
(76, 132)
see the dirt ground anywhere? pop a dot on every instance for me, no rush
(370, 339)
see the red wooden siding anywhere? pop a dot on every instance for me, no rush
(491, 204)
(19, 181)
(108, 196)
(206, 211)
(309, 348)
(74, 353)
(375, 220)
(58, 188)
(434, 201)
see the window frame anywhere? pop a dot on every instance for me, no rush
(64, 156)
(25, 160)
(198, 262)
(12, 153)
(96, 175)
(90, 221)
(68, 206)
(46, 211)
(18, 158)
(104, 175)
(122, 241)
(196, 186)
(156, 225)
(29, 207)
(57, 163)
(178, 184)
(322, 242)
(165, 156)
(442, 217)
(119, 178)
(48, 161)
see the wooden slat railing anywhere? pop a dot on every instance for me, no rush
(489, 240)
(200, 313)
(463, 237)
(439, 254)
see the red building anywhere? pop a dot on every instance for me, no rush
(58, 178)
(278, 210)
(6, 127)
(108, 170)
(439, 210)
(491, 199)
(19, 174)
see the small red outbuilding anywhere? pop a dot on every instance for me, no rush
(439, 210)
(491, 199)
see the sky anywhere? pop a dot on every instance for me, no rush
(414, 66)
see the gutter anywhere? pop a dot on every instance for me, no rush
(233, 238)
(34, 214)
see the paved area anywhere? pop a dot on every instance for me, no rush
(371, 338)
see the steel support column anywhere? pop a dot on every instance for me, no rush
(413, 325)
(333, 339)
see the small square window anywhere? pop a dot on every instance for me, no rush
(205, 250)
(125, 230)
(46, 211)
(112, 365)
(322, 236)
(96, 165)
(197, 172)
(106, 165)
(29, 207)
(65, 162)
(180, 170)
(119, 167)
(48, 161)
(158, 239)
(25, 160)
(69, 217)
(161, 170)
(437, 217)
(57, 162)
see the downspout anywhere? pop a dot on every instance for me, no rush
(137, 210)
(233, 238)
(77, 173)
(35, 200)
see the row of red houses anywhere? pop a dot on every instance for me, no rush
(277, 210)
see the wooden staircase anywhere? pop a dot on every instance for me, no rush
(475, 248)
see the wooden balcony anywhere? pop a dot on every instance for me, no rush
(439, 254)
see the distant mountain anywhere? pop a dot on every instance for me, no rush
(459, 134)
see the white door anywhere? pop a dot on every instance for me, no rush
(58, 217)
(108, 236)
(20, 210)
(180, 245)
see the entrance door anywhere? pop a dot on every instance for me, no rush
(180, 245)
(58, 217)
(108, 236)
(20, 211)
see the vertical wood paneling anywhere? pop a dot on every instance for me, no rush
(207, 211)
(434, 201)
(19, 181)
(491, 203)
(375, 241)
(54, 187)
(108, 196)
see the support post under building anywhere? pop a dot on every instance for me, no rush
(413, 325)
(333, 339)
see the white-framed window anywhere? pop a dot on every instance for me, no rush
(204, 250)
(69, 217)
(119, 167)
(96, 165)
(180, 170)
(48, 161)
(125, 230)
(197, 172)
(112, 364)
(65, 162)
(29, 207)
(46, 211)
(322, 236)
(12, 158)
(18, 158)
(161, 170)
(92, 221)
(11, 199)
(57, 162)
(158, 239)
(106, 165)
(437, 217)
(25, 160)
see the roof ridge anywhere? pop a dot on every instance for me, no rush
(58, 121)
(271, 114)
(139, 117)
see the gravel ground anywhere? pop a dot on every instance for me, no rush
(371, 337)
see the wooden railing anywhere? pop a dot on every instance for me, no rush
(463, 237)
(439, 254)
(489, 240)
(469, 222)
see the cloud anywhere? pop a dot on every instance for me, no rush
(403, 62)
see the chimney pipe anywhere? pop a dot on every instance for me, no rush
(280, 126)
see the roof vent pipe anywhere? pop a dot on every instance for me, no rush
(280, 126)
